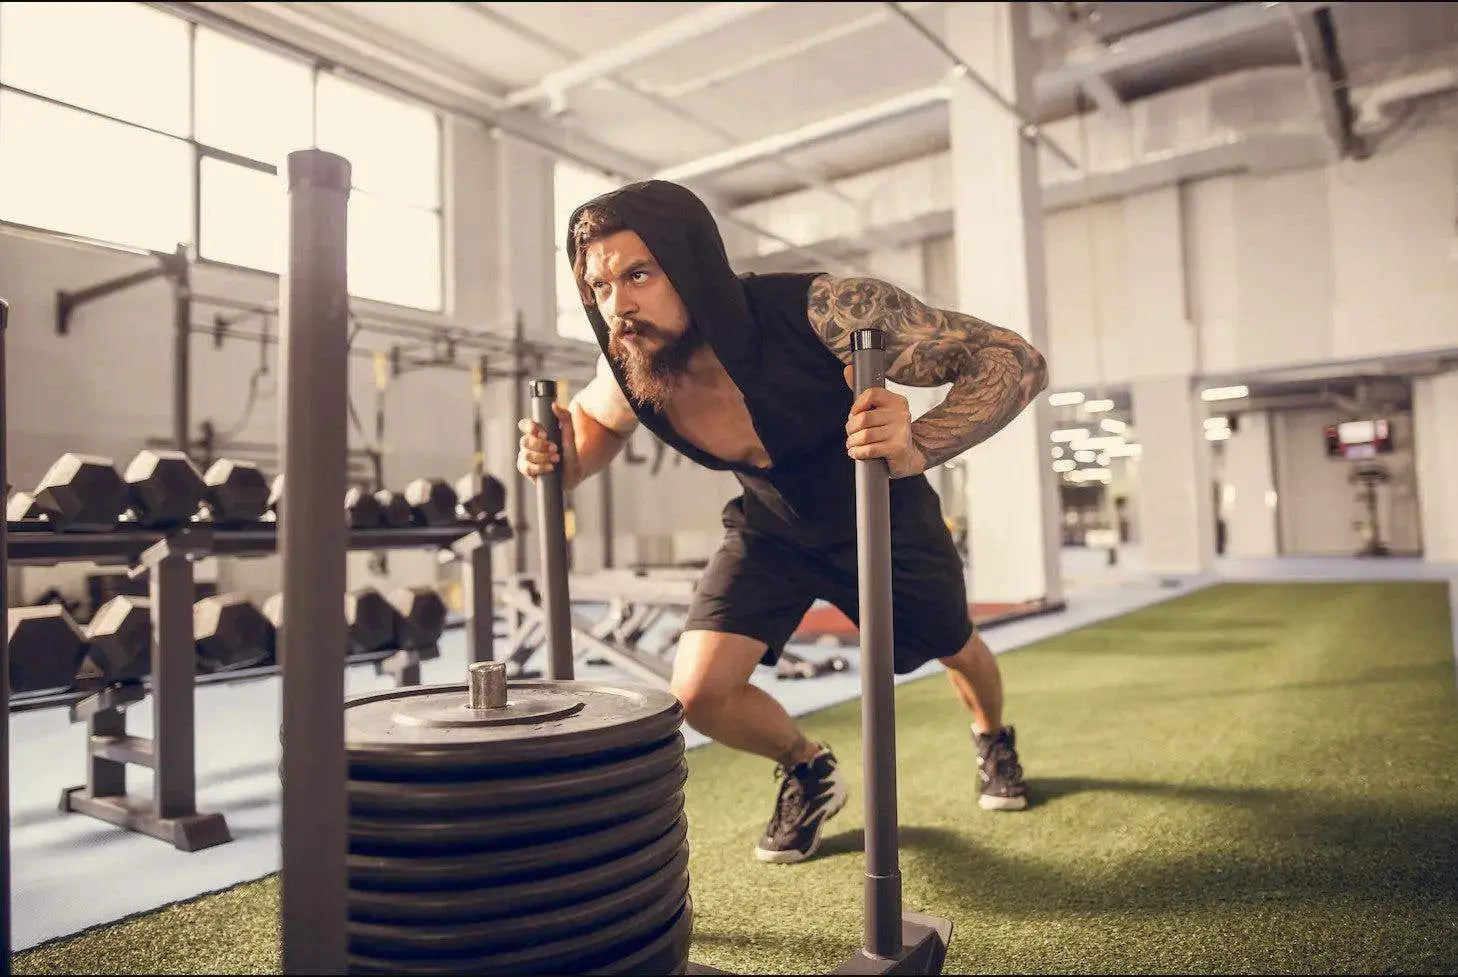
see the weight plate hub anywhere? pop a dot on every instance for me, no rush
(547, 890)
(563, 783)
(465, 832)
(409, 732)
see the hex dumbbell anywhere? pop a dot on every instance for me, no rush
(46, 647)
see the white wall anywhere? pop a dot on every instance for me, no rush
(1317, 507)
(1395, 266)
(1295, 267)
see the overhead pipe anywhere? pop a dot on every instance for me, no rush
(1376, 114)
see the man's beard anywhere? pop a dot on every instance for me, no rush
(651, 377)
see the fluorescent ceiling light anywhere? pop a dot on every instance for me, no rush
(1066, 465)
(1083, 456)
(1218, 434)
(1065, 399)
(1224, 393)
(1069, 434)
(1215, 423)
(1098, 444)
(1098, 406)
(1113, 426)
(1057, 451)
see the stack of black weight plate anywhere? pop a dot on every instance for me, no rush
(546, 837)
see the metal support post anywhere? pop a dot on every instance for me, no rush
(314, 331)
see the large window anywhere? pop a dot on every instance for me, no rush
(125, 124)
(572, 186)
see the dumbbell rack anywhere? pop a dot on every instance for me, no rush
(166, 559)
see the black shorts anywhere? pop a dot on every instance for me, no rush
(761, 582)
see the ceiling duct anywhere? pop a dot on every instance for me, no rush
(1259, 120)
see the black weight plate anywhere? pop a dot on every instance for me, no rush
(455, 871)
(384, 834)
(583, 952)
(612, 717)
(570, 783)
(514, 932)
(665, 954)
(518, 897)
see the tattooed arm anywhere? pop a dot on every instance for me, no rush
(994, 373)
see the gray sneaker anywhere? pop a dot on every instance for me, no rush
(1003, 788)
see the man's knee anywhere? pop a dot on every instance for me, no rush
(973, 649)
(702, 700)
(709, 670)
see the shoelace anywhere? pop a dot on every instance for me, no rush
(791, 799)
(1003, 764)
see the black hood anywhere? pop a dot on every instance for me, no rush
(678, 228)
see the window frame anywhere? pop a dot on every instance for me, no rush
(201, 151)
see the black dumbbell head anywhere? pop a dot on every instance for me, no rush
(432, 500)
(82, 493)
(46, 647)
(164, 487)
(120, 643)
(482, 496)
(235, 491)
(230, 632)
(21, 506)
(397, 513)
(372, 621)
(362, 510)
(422, 616)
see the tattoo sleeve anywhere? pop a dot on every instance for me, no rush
(994, 373)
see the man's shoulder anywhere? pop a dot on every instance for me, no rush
(780, 282)
(783, 291)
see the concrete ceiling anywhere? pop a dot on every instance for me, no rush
(668, 84)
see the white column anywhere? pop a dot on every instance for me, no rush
(1435, 418)
(1248, 486)
(523, 266)
(1176, 514)
(998, 228)
(525, 256)
(905, 266)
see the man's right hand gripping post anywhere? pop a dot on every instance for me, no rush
(537, 456)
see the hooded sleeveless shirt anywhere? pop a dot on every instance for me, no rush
(758, 325)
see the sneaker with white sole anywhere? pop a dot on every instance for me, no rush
(811, 793)
(1003, 788)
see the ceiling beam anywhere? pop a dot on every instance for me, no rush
(690, 27)
(805, 175)
(1098, 88)
(1089, 74)
(753, 61)
(1157, 43)
(837, 125)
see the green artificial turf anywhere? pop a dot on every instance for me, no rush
(1251, 778)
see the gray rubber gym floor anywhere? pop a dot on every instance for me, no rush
(70, 872)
